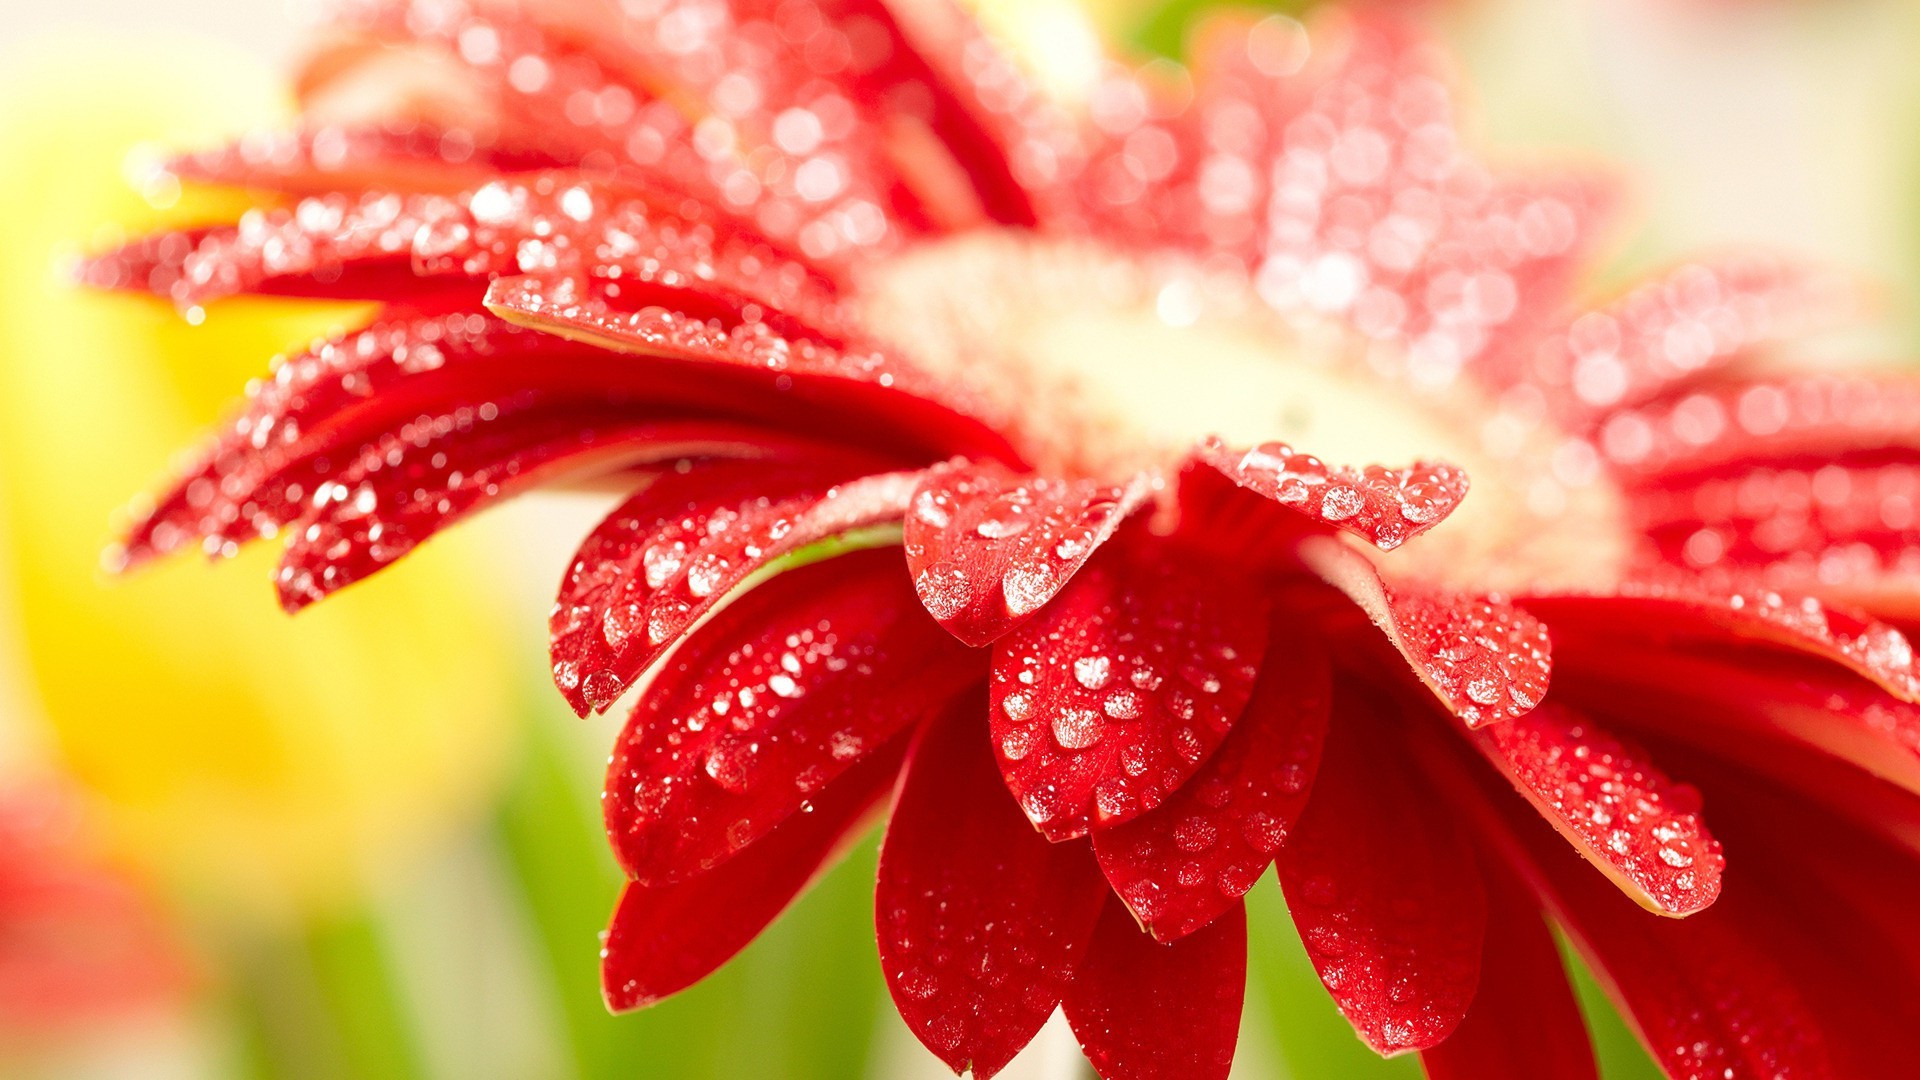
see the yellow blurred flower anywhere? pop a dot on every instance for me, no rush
(268, 761)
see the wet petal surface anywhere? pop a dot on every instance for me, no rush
(1386, 507)
(1485, 659)
(1144, 1010)
(988, 548)
(761, 708)
(664, 939)
(1190, 859)
(673, 552)
(981, 921)
(1113, 696)
(1524, 1021)
(1619, 810)
(1382, 888)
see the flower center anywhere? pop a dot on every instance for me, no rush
(1097, 364)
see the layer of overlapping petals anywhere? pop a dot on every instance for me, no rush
(879, 555)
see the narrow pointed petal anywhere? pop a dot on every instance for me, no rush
(1705, 995)
(988, 548)
(1184, 863)
(1485, 659)
(1113, 696)
(981, 921)
(331, 246)
(1144, 1010)
(1385, 893)
(664, 939)
(437, 471)
(1614, 806)
(1385, 507)
(889, 395)
(1683, 610)
(297, 414)
(1524, 1021)
(761, 707)
(673, 552)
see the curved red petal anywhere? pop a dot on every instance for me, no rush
(1485, 659)
(1110, 698)
(988, 548)
(405, 488)
(981, 922)
(1683, 610)
(666, 938)
(1617, 809)
(1190, 859)
(1385, 893)
(1524, 1021)
(761, 707)
(1738, 695)
(1385, 507)
(1144, 1010)
(671, 553)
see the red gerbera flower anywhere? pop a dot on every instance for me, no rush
(996, 384)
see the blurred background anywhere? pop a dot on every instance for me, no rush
(364, 842)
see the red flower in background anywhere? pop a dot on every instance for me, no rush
(817, 269)
(80, 944)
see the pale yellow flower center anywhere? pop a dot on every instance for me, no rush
(1100, 364)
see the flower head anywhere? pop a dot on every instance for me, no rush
(972, 432)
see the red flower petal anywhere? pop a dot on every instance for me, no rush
(1675, 327)
(1386, 507)
(1108, 700)
(1705, 995)
(1683, 611)
(988, 549)
(672, 552)
(1144, 1010)
(409, 486)
(981, 922)
(1483, 658)
(334, 246)
(1384, 892)
(1838, 530)
(664, 939)
(1729, 699)
(828, 185)
(1816, 869)
(889, 395)
(301, 414)
(1780, 421)
(331, 158)
(784, 689)
(1184, 863)
(1628, 819)
(1524, 1021)
(1002, 133)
